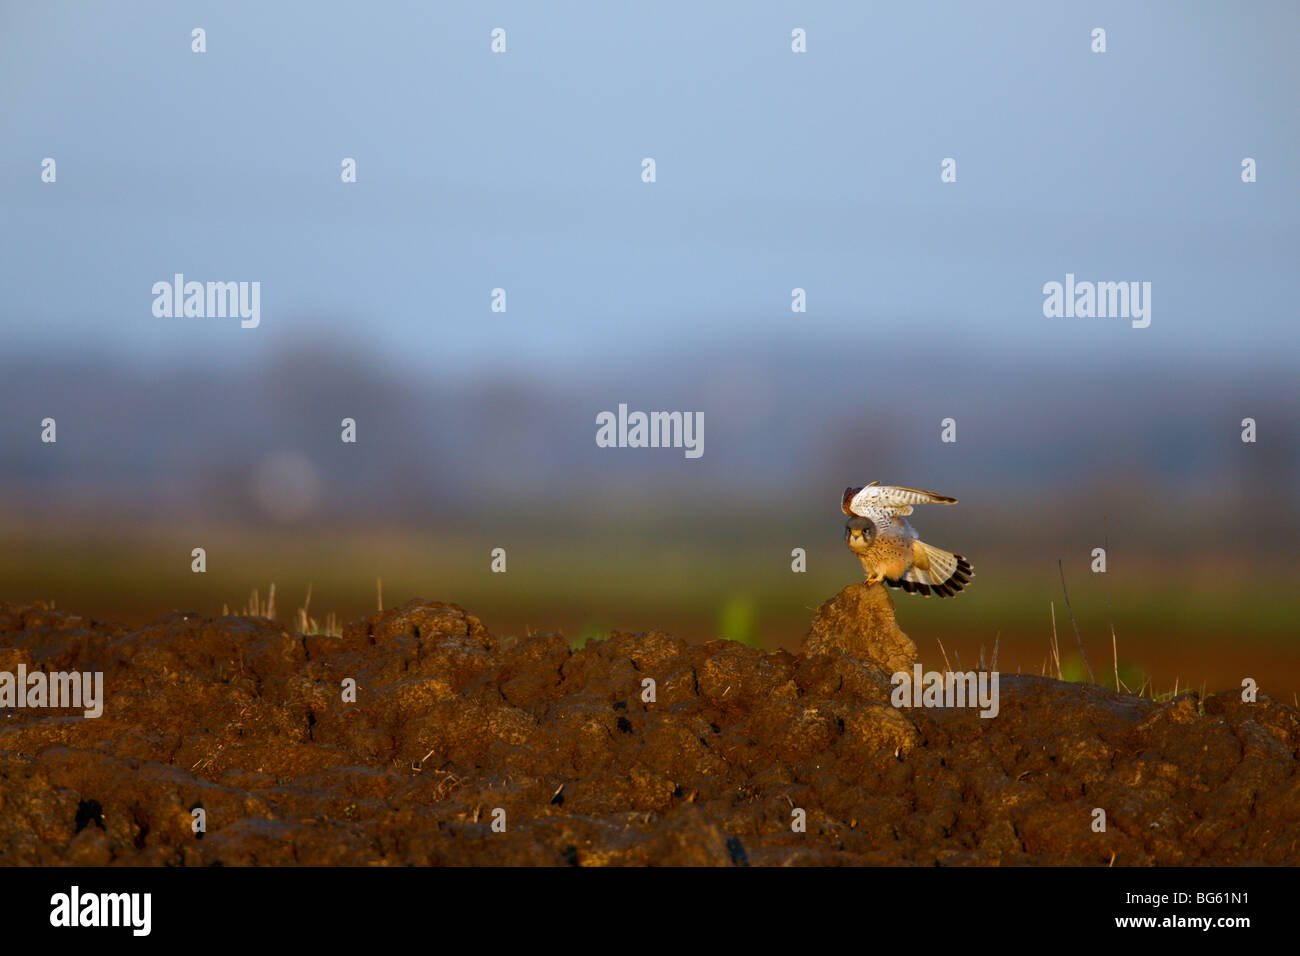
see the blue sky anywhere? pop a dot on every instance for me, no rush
(775, 170)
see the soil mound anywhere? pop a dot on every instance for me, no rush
(860, 621)
(637, 749)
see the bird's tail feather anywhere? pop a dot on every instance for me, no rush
(934, 571)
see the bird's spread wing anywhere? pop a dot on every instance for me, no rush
(877, 500)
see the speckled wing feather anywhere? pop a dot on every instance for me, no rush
(877, 501)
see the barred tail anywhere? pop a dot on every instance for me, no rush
(934, 571)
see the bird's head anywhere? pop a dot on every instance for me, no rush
(859, 532)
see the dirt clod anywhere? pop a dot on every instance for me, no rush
(860, 621)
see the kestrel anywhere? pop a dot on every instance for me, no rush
(888, 547)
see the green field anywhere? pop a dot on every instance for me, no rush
(1172, 622)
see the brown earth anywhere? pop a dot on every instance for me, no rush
(246, 720)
